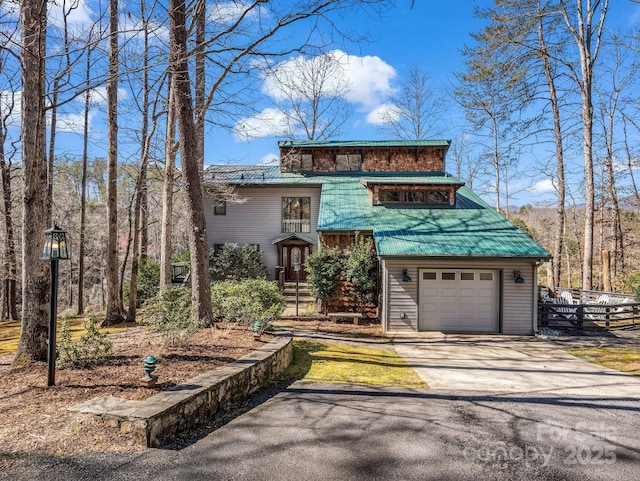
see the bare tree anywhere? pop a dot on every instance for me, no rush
(417, 111)
(587, 33)
(310, 94)
(114, 313)
(168, 186)
(8, 305)
(179, 69)
(35, 273)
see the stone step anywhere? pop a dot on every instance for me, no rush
(292, 292)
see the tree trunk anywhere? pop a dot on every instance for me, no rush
(201, 17)
(200, 282)
(114, 295)
(83, 186)
(587, 38)
(606, 271)
(556, 262)
(10, 274)
(35, 273)
(167, 192)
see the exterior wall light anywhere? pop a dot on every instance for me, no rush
(518, 278)
(405, 275)
(54, 250)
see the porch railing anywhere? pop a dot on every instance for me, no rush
(588, 311)
(296, 225)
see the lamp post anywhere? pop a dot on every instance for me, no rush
(55, 249)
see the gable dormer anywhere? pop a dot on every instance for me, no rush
(363, 156)
(413, 192)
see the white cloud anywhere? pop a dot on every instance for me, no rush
(228, 12)
(79, 14)
(11, 101)
(270, 159)
(382, 114)
(98, 95)
(268, 122)
(542, 187)
(364, 80)
(72, 123)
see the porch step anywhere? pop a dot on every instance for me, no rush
(305, 299)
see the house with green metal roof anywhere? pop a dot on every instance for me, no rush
(447, 260)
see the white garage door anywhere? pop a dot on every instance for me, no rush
(459, 300)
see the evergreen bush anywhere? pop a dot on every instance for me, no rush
(247, 302)
(360, 269)
(171, 313)
(91, 349)
(235, 262)
(324, 269)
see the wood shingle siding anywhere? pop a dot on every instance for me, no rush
(392, 159)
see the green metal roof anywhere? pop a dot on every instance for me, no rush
(294, 235)
(470, 229)
(259, 175)
(363, 143)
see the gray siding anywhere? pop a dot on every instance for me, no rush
(401, 298)
(517, 303)
(257, 220)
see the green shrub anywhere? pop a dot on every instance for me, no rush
(91, 349)
(360, 269)
(247, 301)
(171, 313)
(148, 283)
(235, 262)
(323, 273)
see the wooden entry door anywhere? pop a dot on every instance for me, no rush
(294, 252)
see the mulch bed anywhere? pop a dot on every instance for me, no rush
(35, 418)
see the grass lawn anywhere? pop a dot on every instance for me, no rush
(622, 359)
(10, 332)
(339, 363)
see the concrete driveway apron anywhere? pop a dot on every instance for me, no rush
(509, 364)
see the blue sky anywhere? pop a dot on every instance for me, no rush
(428, 36)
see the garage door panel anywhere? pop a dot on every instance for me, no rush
(459, 300)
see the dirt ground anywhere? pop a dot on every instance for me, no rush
(34, 418)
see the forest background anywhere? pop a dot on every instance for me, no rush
(109, 113)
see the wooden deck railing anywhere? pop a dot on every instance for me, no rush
(595, 316)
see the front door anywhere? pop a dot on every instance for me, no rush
(294, 255)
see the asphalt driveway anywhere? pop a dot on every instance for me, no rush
(350, 432)
(517, 413)
(510, 364)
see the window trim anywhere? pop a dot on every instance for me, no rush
(303, 229)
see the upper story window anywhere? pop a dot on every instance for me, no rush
(413, 197)
(348, 162)
(438, 197)
(297, 162)
(296, 214)
(219, 207)
(389, 196)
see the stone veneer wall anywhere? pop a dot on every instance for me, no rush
(155, 421)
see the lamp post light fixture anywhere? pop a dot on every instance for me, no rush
(54, 250)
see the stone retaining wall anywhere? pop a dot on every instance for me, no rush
(158, 419)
